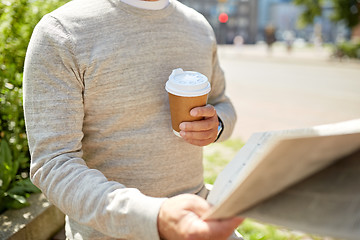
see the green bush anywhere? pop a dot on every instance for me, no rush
(347, 49)
(14, 188)
(17, 21)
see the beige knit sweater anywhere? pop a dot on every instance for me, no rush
(97, 113)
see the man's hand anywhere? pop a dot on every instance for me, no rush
(180, 219)
(202, 132)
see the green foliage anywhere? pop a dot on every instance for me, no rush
(347, 11)
(253, 230)
(347, 49)
(312, 9)
(217, 156)
(14, 189)
(17, 21)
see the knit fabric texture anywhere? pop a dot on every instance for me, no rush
(97, 113)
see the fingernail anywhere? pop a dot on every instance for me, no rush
(182, 126)
(182, 134)
(193, 113)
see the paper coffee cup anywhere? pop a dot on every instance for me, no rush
(186, 89)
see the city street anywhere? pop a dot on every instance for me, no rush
(281, 90)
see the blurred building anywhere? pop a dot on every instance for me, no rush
(241, 18)
(283, 14)
(249, 18)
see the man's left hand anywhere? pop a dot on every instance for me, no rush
(202, 132)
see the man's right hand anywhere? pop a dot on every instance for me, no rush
(180, 219)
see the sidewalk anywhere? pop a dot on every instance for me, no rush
(279, 53)
(285, 90)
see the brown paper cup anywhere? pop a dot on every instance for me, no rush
(187, 90)
(180, 108)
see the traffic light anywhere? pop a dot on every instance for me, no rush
(223, 17)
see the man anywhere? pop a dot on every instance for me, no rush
(98, 119)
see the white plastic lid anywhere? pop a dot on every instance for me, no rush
(187, 83)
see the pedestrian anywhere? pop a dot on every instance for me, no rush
(289, 38)
(270, 37)
(98, 119)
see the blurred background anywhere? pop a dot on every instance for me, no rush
(288, 64)
(300, 21)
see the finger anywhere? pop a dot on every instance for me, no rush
(203, 135)
(190, 202)
(222, 228)
(232, 223)
(200, 143)
(201, 125)
(199, 205)
(206, 111)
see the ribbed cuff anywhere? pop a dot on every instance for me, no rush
(145, 211)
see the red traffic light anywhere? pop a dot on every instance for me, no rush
(223, 18)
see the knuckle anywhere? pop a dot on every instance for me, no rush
(210, 124)
(215, 119)
(202, 135)
(189, 135)
(207, 135)
(211, 108)
(187, 126)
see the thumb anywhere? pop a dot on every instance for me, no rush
(199, 205)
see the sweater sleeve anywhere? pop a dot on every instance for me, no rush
(54, 112)
(219, 100)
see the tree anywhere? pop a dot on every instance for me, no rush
(347, 11)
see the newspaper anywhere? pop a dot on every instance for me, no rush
(305, 179)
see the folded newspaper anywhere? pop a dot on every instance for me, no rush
(304, 179)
